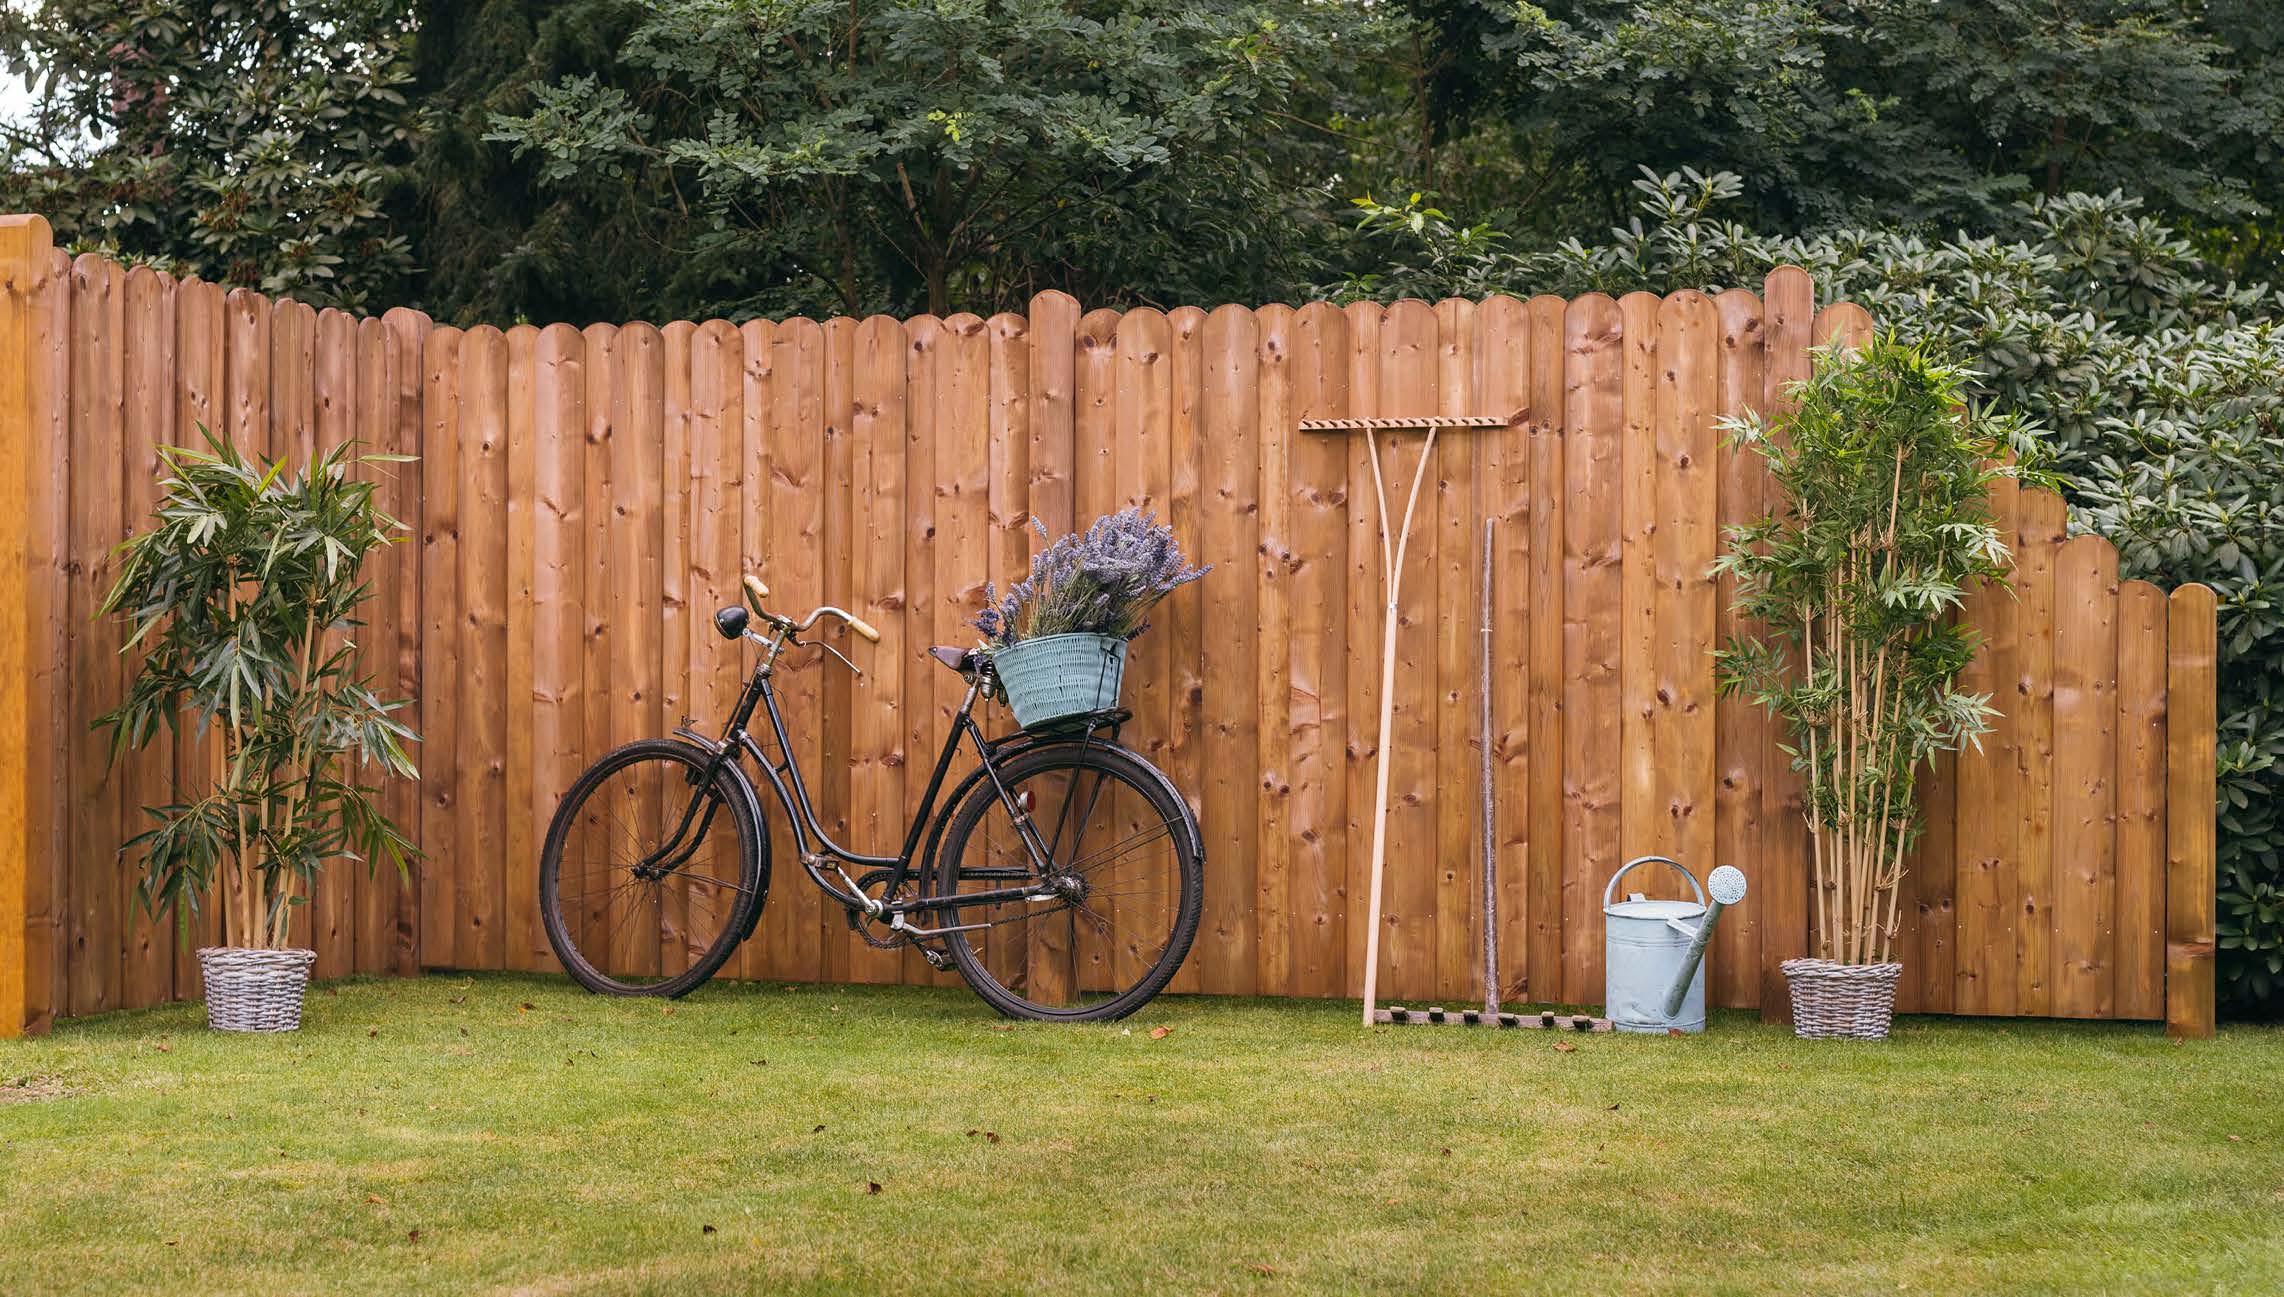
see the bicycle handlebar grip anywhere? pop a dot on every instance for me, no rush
(864, 628)
(755, 591)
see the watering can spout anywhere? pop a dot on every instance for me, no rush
(1724, 888)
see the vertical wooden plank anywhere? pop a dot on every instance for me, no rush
(1142, 478)
(26, 257)
(333, 412)
(793, 525)
(1510, 381)
(836, 535)
(2190, 852)
(1781, 894)
(480, 833)
(1223, 946)
(1229, 626)
(1005, 559)
(404, 428)
(713, 563)
(293, 395)
(2039, 540)
(440, 643)
(1741, 740)
(878, 777)
(1367, 596)
(1455, 531)
(2085, 767)
(523, 937)
(2141, 790)
(1566, 930)
(1052, 339)
(1547, 852)
(1685, 613)
(1317, 718)
(1984, 810)
(638, 574)
(1928, 942)
(372, 893)
(558, 557)
(100, 893)
(675, 489)
(1095, 491)
(1274, 487)
(600, 629)
(37, 284)
(147, 778)
(1408, 385)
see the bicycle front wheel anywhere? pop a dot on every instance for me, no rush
(649, 881)
(1124, 871)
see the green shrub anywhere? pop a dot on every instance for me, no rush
(2157, 386)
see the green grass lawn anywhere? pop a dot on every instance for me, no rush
(460, 1134)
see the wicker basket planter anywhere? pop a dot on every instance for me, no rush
(254, 990)
(1060, 675)
(1849, 1001)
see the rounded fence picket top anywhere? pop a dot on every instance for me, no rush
(1056, 676)
(254, 990)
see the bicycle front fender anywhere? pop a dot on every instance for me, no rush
(751, 796)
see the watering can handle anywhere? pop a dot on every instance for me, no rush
(1610, 889)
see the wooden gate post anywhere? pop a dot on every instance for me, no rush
(27, 253)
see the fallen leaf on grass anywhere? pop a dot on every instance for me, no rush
(528, 1006)
(459, 999)
(668, 1011)
(706, 1229)
(412, 1236)
(1160, 1033)
(820, 1129)
(872, 1186)
(1262, 1268)
(1447, 1152)
(1566, 1047)
(992, 1136)
(163, 1047)
(373, 1034)
(376, 1198)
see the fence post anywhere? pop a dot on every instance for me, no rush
(2191, 859)
(26, 257)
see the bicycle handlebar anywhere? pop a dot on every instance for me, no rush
(755, 592)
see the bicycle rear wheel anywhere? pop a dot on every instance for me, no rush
(648, 883)
(1126, 870)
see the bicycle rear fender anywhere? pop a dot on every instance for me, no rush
(1019, 743)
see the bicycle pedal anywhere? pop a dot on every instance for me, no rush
(937, 959)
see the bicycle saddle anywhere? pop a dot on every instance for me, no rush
(962, 660)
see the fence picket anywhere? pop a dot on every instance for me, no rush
(1566, 932)
(2085, 770)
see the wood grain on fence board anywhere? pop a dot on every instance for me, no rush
(1271, 913)
(2141, 794)
(879, 772)
(1740, 725)
(1317, 716)
(148, 777)
(98, 900)
(1505, 372)
(39, 284)
(2085, 767)
(521, 935)
(1242, 816)
(26, 884)
(1782, 895)
(2190, 904)
(1179, 629)
(559, 557)
(1566, 933)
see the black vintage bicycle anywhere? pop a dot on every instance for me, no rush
(1063, 878)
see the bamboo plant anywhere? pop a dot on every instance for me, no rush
(241, 602)
(1847, 593)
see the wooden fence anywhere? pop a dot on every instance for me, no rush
(585, 498)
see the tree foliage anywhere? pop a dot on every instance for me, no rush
(901, 153)
(254, 142)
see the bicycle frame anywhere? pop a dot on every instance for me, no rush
(816, 848)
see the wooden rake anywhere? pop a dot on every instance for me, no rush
(1393, 547)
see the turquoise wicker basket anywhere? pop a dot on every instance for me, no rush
(1060, 675)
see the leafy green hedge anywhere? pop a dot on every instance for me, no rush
(2158, 386)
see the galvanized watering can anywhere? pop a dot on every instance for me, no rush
(1654, 951)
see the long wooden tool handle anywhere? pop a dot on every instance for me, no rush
(1392, 572)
